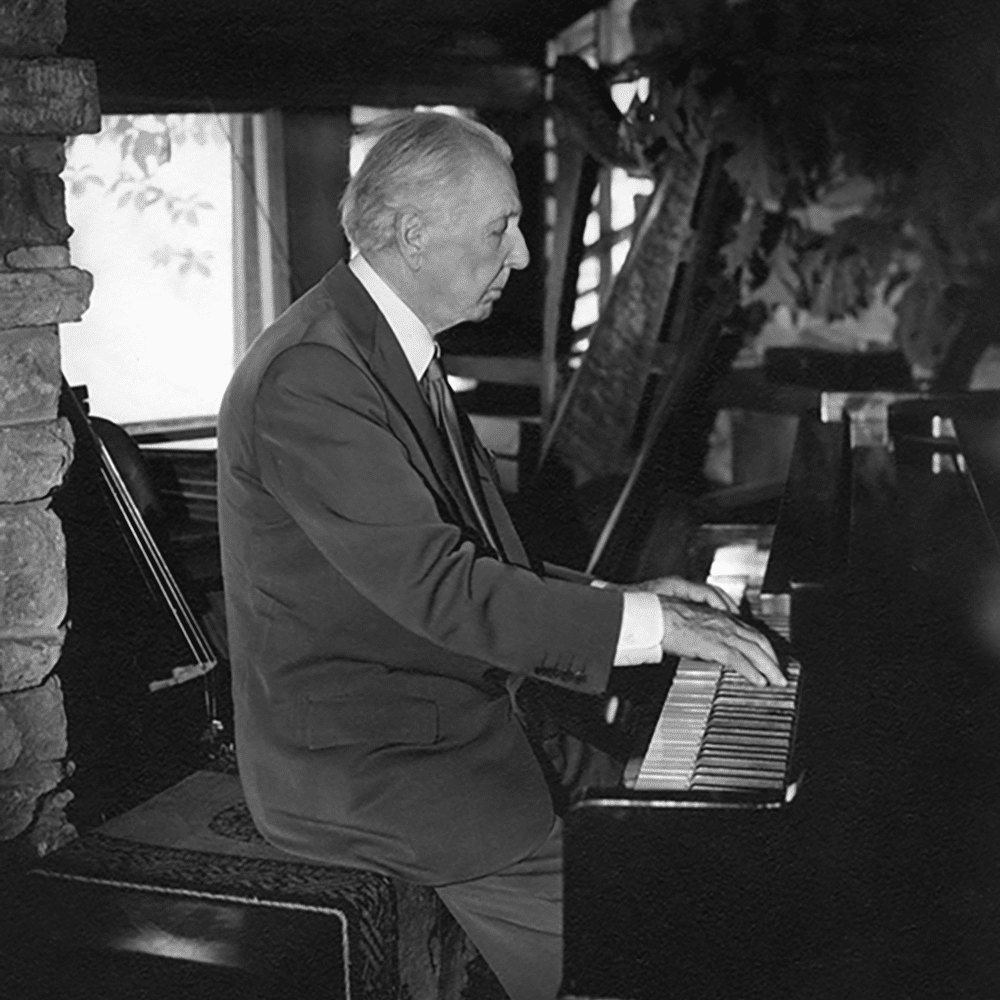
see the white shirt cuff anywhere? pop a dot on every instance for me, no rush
(641, 634)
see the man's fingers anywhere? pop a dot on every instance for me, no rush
(749, 664)
(715, 635)
(715, 597)
(680, 589)
(753, 659)
(768, 669)
(718, 598)
(706, 593)
(750, 634)
(761, 642)
(762, 657)
(746, 669)
(729, 654)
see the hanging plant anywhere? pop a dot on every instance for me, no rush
(871, 216)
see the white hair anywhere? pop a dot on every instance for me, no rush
(419, 156)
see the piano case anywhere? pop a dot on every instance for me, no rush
(880, 879)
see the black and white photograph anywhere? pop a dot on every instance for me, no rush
(499, 500)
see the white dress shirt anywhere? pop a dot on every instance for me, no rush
(642, 620)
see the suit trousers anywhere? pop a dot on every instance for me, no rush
(514, 916)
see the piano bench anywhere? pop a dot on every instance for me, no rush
(212, 910)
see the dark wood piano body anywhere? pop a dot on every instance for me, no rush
(882, 878)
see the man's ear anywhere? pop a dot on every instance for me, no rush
(411, 237)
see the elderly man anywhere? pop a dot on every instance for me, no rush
(379, 600)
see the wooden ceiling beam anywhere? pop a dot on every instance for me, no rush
(179, 88)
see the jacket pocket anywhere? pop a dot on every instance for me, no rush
(331, 722)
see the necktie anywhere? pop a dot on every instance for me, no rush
(438, 395)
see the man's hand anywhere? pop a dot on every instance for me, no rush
(684, 590)
(700, 632)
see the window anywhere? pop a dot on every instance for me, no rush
(181, 220)
(150, 202)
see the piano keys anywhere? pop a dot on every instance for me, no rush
(722, 739)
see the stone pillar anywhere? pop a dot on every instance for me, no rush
(42, 99)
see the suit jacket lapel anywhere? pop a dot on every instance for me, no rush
(391, 368)
(377, 344)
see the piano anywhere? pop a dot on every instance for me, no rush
(840, 840)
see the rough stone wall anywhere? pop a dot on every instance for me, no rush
(42, 99)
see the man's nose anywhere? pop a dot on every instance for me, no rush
(519, 257)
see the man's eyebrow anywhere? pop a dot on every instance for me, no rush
(506, 216)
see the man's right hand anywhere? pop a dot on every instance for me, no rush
(701, 632)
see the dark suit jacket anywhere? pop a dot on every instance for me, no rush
(368, 626)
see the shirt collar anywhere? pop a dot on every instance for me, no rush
(414, 338)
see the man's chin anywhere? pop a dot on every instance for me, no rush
(479, 312)
(476, 314)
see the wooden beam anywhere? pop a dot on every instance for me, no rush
(182, 86)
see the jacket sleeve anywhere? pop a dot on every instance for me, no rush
(556, 572)
(326, 451)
